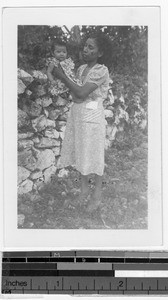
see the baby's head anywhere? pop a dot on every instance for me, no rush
(60, 50)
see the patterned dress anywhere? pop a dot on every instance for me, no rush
(68, 66)
(84, 141)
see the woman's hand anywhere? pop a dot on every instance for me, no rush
(58, 72)
(80, 92)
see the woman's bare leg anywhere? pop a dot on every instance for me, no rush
(84, 185)
(98, 188)
(97, 195)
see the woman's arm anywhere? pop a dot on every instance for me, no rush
(80, 92)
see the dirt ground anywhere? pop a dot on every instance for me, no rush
(124, 204)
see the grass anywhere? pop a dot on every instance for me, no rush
(124, 204)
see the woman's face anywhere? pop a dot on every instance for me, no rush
(91, 51)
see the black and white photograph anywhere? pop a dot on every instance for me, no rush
(85, 122)
(82, 127)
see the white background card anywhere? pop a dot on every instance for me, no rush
(155, 235)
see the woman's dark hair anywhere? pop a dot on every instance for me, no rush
(104, 44)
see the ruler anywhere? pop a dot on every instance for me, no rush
(85, 272)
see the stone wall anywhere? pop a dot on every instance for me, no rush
(41, 127)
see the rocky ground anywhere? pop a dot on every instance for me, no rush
(124, 204)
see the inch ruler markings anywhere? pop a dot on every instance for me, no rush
(85, 272)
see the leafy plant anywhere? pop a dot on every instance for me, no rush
(128, 93)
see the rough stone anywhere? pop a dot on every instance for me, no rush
(36, 140)
(111, 132)
(63, 128)
(63, 173)
(26, 77)
(45, 159)
(39, 123)
(62, 135)
(108, 113)
(31, 165)
(25, 187)
(22, 174)
(63, 117)
(38, 185)
(42, 77)
(44, 102)
(111, 96)
(21, 219)
(58, 164)
(23, 144)
(28, 92)
(24, 156)
(35, 152)
(25, 135)
(21, 87)
(38, 101)
(48, 174)
(56, 151)
(110, 107)
(105, 103)
(41, 91)
(23, 119)
(54, 114)
(62, 132)
(36, 175)
(61, 101)
(33, 110)
(108, 143)
(46, 113)
(60, 124)
(52, 133)
(50, 123)
(48, 143)
(27, 160)
(65, 109)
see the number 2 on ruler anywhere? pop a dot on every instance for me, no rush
(121, 283)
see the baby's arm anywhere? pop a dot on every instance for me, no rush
(49, 72)
(79, 92)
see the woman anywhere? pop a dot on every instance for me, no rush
(83, 145)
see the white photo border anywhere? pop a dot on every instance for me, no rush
(21, 238)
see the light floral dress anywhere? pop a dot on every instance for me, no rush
(84, 141)
(68, 66)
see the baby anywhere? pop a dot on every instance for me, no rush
(60, 54)
(60, 57)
